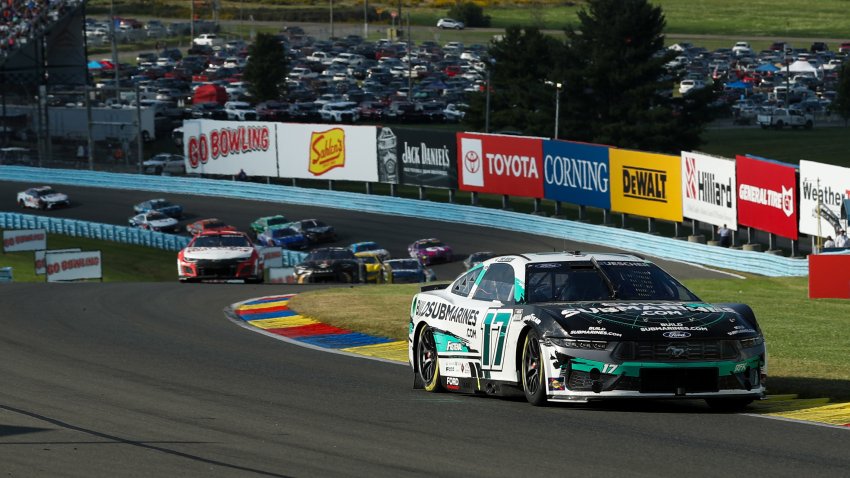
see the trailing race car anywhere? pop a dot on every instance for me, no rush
(154, 221)
(220, 255)
(372, 266)
(316, 231)
(429, 251)
(268, 222)
(370, 246)
(161, 205)
(42, 197)
(575, 327)
(209, 224)
(476, 258)
(328, 264)
(285, 237)
(407, 271)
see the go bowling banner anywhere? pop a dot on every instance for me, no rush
(40, 263)
(500, 164)
(767, 197)
(709, 189)
(69, 266)
(24, 240)
(828, 186)
(646, 184)
(226, 147)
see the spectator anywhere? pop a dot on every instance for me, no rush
(242, 176)
(828, 243)
(725, 236)
(841, 239)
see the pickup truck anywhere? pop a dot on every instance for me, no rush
(781, 117)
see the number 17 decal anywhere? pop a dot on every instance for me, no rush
(495, 332)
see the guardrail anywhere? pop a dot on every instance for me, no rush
(664, 247)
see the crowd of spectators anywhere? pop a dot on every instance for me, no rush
(21, 20)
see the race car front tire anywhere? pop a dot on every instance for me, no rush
(427, 364)
(533, 376)
(728, 405)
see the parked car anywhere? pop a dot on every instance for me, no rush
(688, 85)
(166, 207)
(340, 112)
(240, 111)
(154, 221)
(209, 224)
(42, 197)
(450, 23)
(220, 255)
(165, 163)
(431, 250)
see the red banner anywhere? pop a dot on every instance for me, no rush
(500, 164)
(767, 196)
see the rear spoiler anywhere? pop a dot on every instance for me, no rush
(426, 288)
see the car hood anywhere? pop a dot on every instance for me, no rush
(217, 253)
(651, 320)
(434, 250)
(58, 197)
(163, 222)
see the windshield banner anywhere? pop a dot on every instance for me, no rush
(646, 184)
(767, 196)
(576, 173)
(708, 185)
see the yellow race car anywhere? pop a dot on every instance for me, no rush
(373, 266)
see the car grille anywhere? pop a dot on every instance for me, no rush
(221, 268)
(694, 350)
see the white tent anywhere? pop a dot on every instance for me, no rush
(804, 67)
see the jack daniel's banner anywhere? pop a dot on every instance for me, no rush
(417, 158)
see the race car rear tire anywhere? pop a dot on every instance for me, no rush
(728, 404)
(427, 364)
(533, 376)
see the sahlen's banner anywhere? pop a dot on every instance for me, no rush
(708, 189)
(417, 157)
(227, 147)
(500, 164)
(646, 184)
(24, 240)
(767, 196)
(823, 189)
(69, 266)
(326, 151)
(576, 173)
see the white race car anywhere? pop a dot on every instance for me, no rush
(220, 255)
(42, 197)
(574, 327)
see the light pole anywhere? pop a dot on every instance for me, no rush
(487, 103)
(557, 103)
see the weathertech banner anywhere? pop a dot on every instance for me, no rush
(577, 173)
(420, 157)
(500, 164)
(326, 151)
(766, 196)
(828, 186)
(646, 184)
(708, 189)
(67, 266)
(227, 147)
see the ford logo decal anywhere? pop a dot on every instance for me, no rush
(677, 335)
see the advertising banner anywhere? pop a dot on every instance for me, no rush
(226, 147)
(767, 196)
(577, 173)
(708, 185)
(324, 151)
(646, 184)
(825, 185)
(500, 164)
(68, 266)
(272, 256)
(41, 265)
(24, 240)
(417, 157)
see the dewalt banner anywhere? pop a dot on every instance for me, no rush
(646, 184)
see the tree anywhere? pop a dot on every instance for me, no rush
(470, 13)
(842, 101)
(520, 100)
(616, 89)
(266, 69)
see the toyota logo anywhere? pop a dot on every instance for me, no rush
(472, 162)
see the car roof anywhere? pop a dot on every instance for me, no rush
(574, 256)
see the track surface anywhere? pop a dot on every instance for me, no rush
(151, 380)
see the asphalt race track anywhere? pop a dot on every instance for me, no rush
(150, 379)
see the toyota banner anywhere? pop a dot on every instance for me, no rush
(500, 164)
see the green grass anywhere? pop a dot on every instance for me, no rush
(807, 339)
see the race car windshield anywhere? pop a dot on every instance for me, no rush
(323, 255)
(634, 280)
(222, 241)
(156, 216)
(46, 192)
(405, 264)
(277, 220)
(285, 232)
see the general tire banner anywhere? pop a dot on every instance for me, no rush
(226, 147)
(825, 184)
(417, 157)
(326, 151)
(40, 263)
(767, 197)
(68, 266)
(24, 240)
(646, 184)
(709, 189)
(577, 173)
(500, 164)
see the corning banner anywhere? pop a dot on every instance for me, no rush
(326, 151)
(41, 265)
(65, 266)
(646, 184)
(828, 186)
(767, 196)
(576, 173)
(24, 240)
(424, 158)
(708, 189)
(500, 164)
(226, 147)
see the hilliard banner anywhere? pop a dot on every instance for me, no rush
(823, 189)
(500, 164)
(708, 189)
(417, 157)
(576, 173)
(766, 195)
(646, 184)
